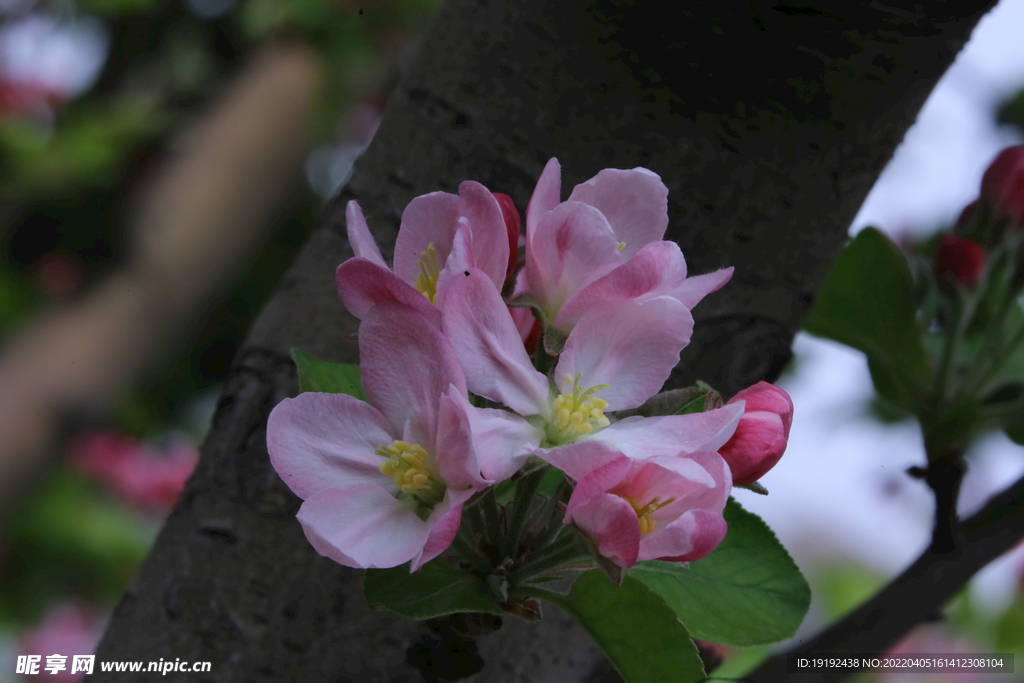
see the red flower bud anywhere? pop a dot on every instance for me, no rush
(1003, 184)
(967, 214)
(960, 258)
(762, 434)
(512, 224)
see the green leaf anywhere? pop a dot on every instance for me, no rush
(639, 633)
(867, 302)
(331, 378)
(748, 591)
(433, 591)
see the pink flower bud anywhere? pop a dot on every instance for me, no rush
(512, 224)
(1003, 184)
(762, 434)
(960, 258)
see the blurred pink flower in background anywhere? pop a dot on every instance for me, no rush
(28, 98)
(67, 629)
(146, 477)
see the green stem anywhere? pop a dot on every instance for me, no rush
(492, 518)
(964, 313)
(542, 594)
(470, 553)
(526, 488)
(549, 562)
(1000, 355)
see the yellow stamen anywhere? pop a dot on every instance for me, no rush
(409, 465)
(430, 270)
(576, 412)
(644, 512)
(622, 245)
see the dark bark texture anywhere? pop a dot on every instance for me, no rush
(769, 122)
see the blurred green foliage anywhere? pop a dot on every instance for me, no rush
(66, 180)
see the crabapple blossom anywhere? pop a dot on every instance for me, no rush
(615, 358)
(440, 233)
(762, 433)
(384, 481)
(666, 507)
(604, 244)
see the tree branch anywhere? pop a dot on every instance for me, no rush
(921, 590)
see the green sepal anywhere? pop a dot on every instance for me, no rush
(554, 340)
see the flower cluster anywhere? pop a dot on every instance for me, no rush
(461, 395)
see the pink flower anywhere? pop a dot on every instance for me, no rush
(384, 481)
(662, 508)
(615, 358)
(960, 258)
(762, 433)
(1003, 183)
(67, 629)
(604, 244)
(142, 476)
(440, 234)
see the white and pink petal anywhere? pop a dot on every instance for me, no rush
(318, 441)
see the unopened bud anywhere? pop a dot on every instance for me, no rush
(762, 433)
(513, 225)
(960, 259)
(1003, 184)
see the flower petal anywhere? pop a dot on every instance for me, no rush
(693, 535)
(488, 345)
(546, 196)
(572, 246)
(456, 454)
(363, 526)
(441, 537)
(657, 267)
(503, 440)
(319, 441)
(645, 437)
(490, 236)
(629, 346)
(579, 459)
(635, 202)
(599, 481)
(428, 219)
(612, 523)
(359, 237)
(363, 284)
(696, 480)
(406, 365)
(691, 290)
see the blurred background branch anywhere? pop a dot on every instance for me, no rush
(204, 215)
(161, 163)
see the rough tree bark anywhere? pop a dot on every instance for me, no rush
(769, 122)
